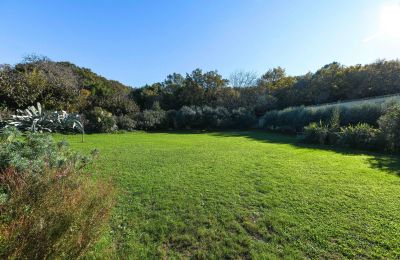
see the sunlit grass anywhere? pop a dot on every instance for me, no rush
(245, 194)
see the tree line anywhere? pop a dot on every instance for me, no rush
(182, 101)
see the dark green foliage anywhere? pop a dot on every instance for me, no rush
(153, 119)
(368, 113)
(213, 118)
(389, 123)
(295, 118)
(243, 118)
(361, 136)
(125, 122)
(316, 133)
(99, 120)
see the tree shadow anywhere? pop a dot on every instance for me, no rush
(377, 160)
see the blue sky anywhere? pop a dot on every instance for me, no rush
(141, 41)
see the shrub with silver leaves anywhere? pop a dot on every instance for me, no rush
(35, 119)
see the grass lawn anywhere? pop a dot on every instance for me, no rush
(245, 194)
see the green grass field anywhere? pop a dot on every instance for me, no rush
(245, 194)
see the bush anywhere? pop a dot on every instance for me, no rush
(361, 136)
(99, 120)
(316, 133)
(364, 113)
(53, 210)
(36, 119)
(242, 118)
(295, 118)
(153, 119)
(125, 122)
(389, 123)
(35, 152)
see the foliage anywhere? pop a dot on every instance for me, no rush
(37, 120)
(5, 114)
(100, 120)
(151, 119)
(206, 117)
(316, 133)
(368, 113)
(361, 136)
(389, 123)
(65, 86)
(295, 118)
(125, 122)
(49, 207)
(35, 152)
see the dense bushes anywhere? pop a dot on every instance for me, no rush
(213, 118)
(294, 119)
(389, 124)
(49, 208)
(360, 136)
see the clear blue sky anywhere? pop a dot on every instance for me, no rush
(138, 42)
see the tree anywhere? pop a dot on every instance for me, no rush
(243, 79)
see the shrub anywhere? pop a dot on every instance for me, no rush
(36, 119)
(361, 136)
(188, 117)
(125, 122)
(316, 133)
(35, 152)
(99, 120)
(295, 118)
(54, 210)
(389, 123)
(214, 118)
(242, 118)
(152, 119)
(368, 113)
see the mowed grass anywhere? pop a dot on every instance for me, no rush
(245, 195)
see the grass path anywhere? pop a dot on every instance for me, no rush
(245, 194)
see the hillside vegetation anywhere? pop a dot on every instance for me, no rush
(203, 100)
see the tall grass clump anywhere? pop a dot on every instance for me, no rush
(49, 206)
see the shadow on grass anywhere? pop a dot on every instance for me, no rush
(383, 161)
